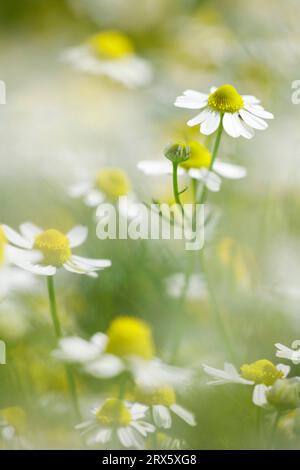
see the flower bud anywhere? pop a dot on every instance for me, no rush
(284, 394)
(177, 152)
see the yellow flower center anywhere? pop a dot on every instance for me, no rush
(3, 242)
(225, 100)
(54, 246)
(113, 413)
(129, 336)
(261, 372)
(113, 182)
(164, 395)
(200, 156)
(111, 45)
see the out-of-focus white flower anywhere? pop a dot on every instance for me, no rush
(162, 401)
(292, 354)
(109, 185)
(196, 166)
(196, 288)
(117, 418)
(55, 248)
(240, 114)
(127, 346)
(110, 53)
(262, 374)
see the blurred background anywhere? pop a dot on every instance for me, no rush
(60, 124)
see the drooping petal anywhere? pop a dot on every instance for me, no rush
(105, 367)
(231, 124)
(246, 131)
(211, 123)
(253, 121)
(155, 167)
(284, 369)
(228, 170)
(259, 395)
(15, 238)
(162, 416)
(91, 262)
(125, 436)
(138, 411)
(37, 268)
(77, 235)
(76, 349)
(184, 414)
(258, 111)
(201, 117)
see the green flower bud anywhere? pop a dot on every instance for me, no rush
(284, 394)
(177, 153)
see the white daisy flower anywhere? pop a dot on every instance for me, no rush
(197, 167)
(240, 114)
(128, 345)
(111, 54)
(292, 354)
(262, 374)
(109, 185)
(117, 419)
(56, 250)
(162, 402)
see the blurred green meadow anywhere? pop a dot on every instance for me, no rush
(59, 124)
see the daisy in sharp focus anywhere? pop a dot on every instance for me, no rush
(117, 419)
(127, 345)
(109, 185)
(110, 53)
(262, 374)
(162, 402)
(239, 114)
(56, 250)
(196, 166)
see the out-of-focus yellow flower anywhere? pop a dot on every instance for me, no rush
(164, 395)
(238, 258)
(129, 336)
(200, 156)
(261, 372)
(111, 44)
(113, 182)
(113, 412)
(15, 417)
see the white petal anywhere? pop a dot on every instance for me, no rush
(91, 262)
(284, 369)
(105, 367)
(258, 111)
(210, 179)
(73, 268)
(138, 411)
(155, 167)
(201, 117)
(93, 198)
(250, 99)
(143, 427)
(228, 170)
(77, 235)
(103, 436)
(76, 349)
(184, 414)
(252, 121)
(191, 99)
(162, 416)
(259, 395)
(211, 123)
(37, 268)
(17, 255)
(246, 131)
(15, 238)
(125, 436)
(30, 231)
(231, 124)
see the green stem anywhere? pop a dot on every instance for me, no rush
(274, 430)
(58, 333)
(175, 185)
(213, 157)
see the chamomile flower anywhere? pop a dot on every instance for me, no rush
(262, 374)
(109, 185)
(162, 401)
(196, 166)
(127, 346)
(56, 250)
(117, 419)
(110, 53)
(239, 114)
